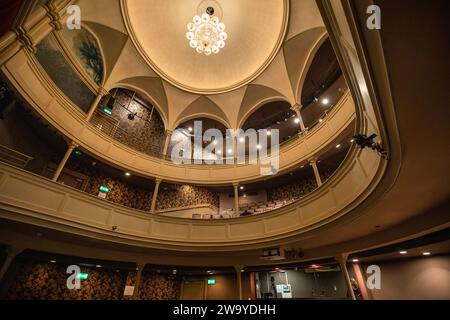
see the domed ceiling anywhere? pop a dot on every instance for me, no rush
(269, 48)
(256, 30)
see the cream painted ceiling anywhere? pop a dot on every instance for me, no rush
(145, 49)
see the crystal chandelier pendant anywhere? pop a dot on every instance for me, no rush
(206, 34)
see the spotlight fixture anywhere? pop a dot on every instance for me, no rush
(355, 260)
(403, 252)
(338, 146)
(230, 151)
(315, 99)
(127, 174)
(258, 147)
(215, 142)
(190, 129)
(219, 151)
(242, 140)
(297, 120)
(367, 142)
(325, 101)
(269, 133)
(98, 266)
(426, 253)
(242, 188)
(52, 261)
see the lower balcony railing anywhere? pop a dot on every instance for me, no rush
(29, 198)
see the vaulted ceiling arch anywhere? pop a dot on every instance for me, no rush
(203, 108)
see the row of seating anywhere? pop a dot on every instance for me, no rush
(246, 209)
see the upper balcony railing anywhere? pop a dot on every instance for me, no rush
(34, 85)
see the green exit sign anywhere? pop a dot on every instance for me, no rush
(104, 189)
(82, 276)
(107, 111)
(211, 282)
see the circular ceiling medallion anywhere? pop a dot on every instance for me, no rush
(255, 29)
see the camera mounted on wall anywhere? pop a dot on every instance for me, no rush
(364, 141)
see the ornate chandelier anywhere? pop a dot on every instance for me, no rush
(206, 34)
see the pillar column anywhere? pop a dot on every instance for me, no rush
(101, 93)
(236, 197)
(155, 195)
(140, 268)
(235, 148)
(167, 142)
(11, 253)
(63, 162)
(239, 280)
(342, 259)
(313, 163)
(297, 109)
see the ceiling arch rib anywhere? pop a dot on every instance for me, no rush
(299, 51)
(112, 43)
(230, 103)
(130, 63)
(304, 15)
(277, 77)
(203, 108)
(153, 89)
(255, 96)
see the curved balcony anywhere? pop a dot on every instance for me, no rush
(30, 198)
(40, 92)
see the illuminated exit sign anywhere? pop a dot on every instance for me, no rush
(211, 282)
(104, 189)
(82, 276)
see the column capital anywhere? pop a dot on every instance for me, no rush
(312, 160)
(236, 184)
(296, 107)
(158, 181)
(73, 145)
(140, 265)
(102, 92)
(238, 268)
(169, 132)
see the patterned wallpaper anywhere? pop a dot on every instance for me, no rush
(47, 281)
(292, 191)
(37, 281)
(146, 133)
(121, 192)
(184, 196)
(159, 287)
(296, 190)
